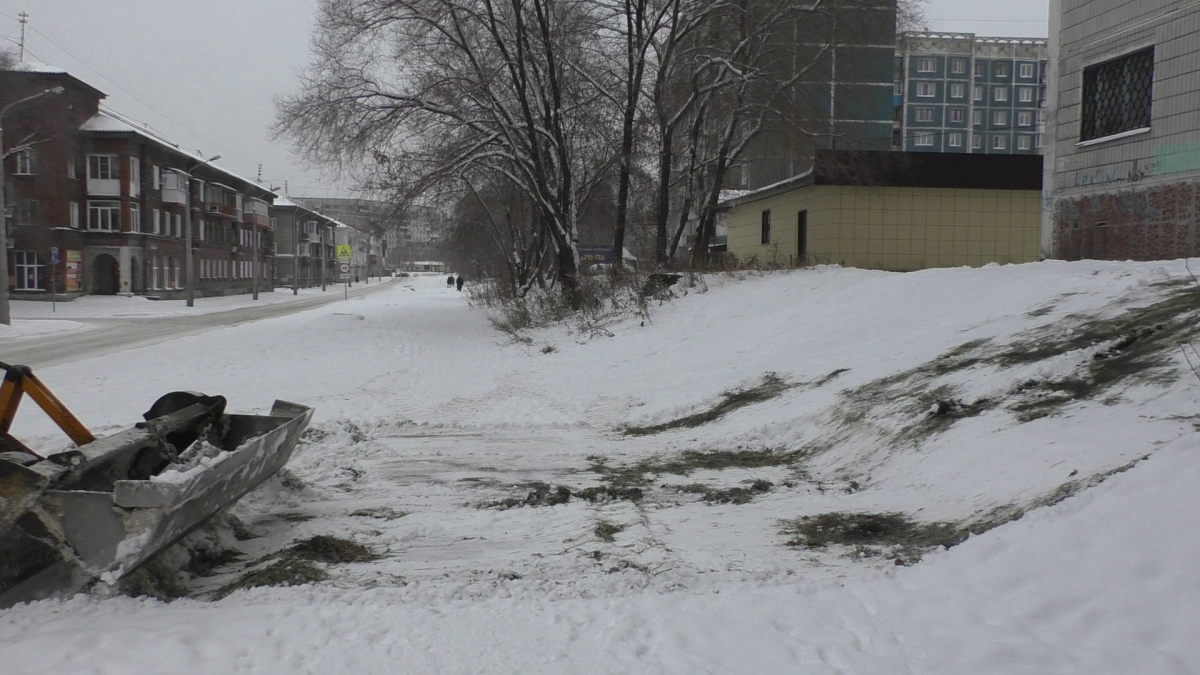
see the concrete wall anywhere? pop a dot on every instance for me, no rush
(892, 228)
(1134, 196)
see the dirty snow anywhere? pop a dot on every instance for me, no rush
(426, 415)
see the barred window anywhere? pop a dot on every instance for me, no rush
(1117, 95)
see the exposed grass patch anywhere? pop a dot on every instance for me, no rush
(286, 572)
(295, 517)
(739, 495)
(329, 549)
(607, 531)
(640, 472)
(381, 512)
(771, 386)
(544, 494)
(894, 532)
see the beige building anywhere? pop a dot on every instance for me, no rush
(894, 211)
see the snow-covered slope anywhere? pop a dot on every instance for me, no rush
(1046, 408)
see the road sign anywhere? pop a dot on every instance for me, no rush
(54, 255)
(345, 252)
(344, 268)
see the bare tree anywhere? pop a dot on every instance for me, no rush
(910, 15)
(440, 92)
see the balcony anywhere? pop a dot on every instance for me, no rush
(223, 201)
(174, 188)
(256, 212)
(104, 187)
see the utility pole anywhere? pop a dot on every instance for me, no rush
(254, 272)
(189, 280)
(295, 254)
(24, 19)
(322, 258)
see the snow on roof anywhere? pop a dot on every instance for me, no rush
(38, 67)
(287, 203)
(109, 121)
(740, 194)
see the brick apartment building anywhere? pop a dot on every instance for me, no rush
(99, 202)
(304, 243)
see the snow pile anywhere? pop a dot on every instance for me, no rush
(646, 502)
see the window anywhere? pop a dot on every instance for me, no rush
(1000, 118)
(1117, 95)
(135, 218)
(977, 118)
(977, 142)
(1001, 70)
(1023, 143)
(72, 170)
(958, 90)
(26, 163)
(766, 227)
(979, 71)
(926, 89)
(954, 140)
(30, 272)
(1039, 140)
(178, 275)
(104, 216)
(956, 114)
(102, 167)
(27, 212)
(999, 142)
(958, 66)
(155, 177)
(178, 225)
(898, 88)
(1024, 118)
(1041, 116)
(135, 176)
(926, 65)
(1025, 94)
(74, 210)
(1026, 70)
(977, 92)
(924, 114)
(1000, 94)
(156, 273)
(923, 139)
(157, 222)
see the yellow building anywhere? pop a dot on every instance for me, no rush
(894, 211)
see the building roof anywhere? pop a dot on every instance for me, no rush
(31, 66)
(109, 121)
(912, 170)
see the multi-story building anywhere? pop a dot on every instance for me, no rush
(841, 54)
(103, 203)
(380, 224)
(958, 92)
(304, 252)
(1124, 153)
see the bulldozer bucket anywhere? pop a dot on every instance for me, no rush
(102, 524)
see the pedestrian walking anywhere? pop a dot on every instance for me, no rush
(450, 281)
(459, 281)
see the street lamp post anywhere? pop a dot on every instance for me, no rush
(189, 280)
(5, 310)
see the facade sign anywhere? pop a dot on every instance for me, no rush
(74, 271)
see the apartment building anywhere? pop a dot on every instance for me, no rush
(963, 93)
(382, 229)
(1123, 160)
(304, 253)
(102, 203)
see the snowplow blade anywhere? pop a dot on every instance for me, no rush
(20, 488)
(100, 524)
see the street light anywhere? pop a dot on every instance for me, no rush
(5, 310)
(188, 278)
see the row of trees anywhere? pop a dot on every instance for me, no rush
(535, 119)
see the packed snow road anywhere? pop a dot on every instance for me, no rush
(634, 499)
(103, 336)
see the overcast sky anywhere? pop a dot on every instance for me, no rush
(206, 72)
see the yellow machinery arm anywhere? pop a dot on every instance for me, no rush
(20, 380)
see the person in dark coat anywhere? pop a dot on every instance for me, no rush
(459, 281)
(449, 281)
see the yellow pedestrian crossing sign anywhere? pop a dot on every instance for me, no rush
(345, 252)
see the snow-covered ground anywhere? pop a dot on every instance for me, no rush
(964, 397)
(23, 329)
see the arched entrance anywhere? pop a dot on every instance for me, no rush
(105, 275)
